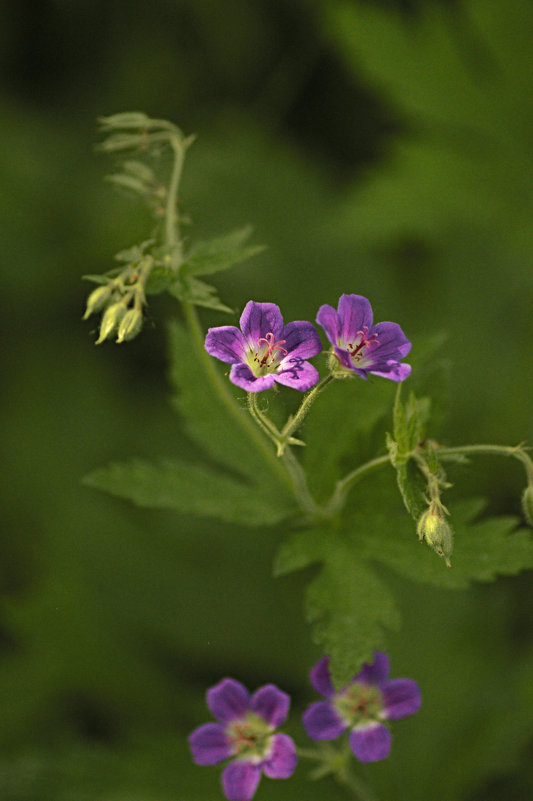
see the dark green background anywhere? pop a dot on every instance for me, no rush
(377, 148)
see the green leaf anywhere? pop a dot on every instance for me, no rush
(219, 254)
(412, 486)
(189, 489)
(343, 416)
(199, 293)
(349, 608)
(347, 604)
(484, 549)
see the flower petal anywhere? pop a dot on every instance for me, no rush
(242, 376)
(225, 343)
(283, 758)
(392, 342)
(396, 371)
(209, 745)
(228, 700)
(321, 679)
(240, 780)
(294, 372)
(355, 312)
(301, 339)
(377, 672)
(401, 698)
(322, 722)
(370, 742)
(328, 318)
(271, 703)
(260, 319)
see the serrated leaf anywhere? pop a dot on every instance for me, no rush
(349, 608)
(347, 604)
(411, 486)
(219, 254)
(188, 489)
(483, 549)
(199, 293)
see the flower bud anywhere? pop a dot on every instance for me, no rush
(130, 325)
(527, 504)
(433, 528)
(97, 300)
(110, 320)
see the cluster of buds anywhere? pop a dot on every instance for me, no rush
(120, 300)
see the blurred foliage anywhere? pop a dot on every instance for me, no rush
(377, 148)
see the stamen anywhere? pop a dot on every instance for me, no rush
(366, 341)
(271, 347)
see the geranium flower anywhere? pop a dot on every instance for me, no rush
(361, 346)
(361, 706)
(265, 351)
(245, 731)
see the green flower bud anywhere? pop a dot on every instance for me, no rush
(130, 325)
(527, 504)
(97, 300)
(437, 533)
(110, 321)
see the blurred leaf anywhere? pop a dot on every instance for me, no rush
(189, 489)
(483, 550)
(347, 604)
(219, 254)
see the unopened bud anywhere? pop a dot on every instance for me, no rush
(130, 325)
(110, 320)
(97, 300)
(436, 532)
(527, 504)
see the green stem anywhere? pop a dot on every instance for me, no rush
(304, 498)
(343, 486)
(294, 422)
(172, 237)
(498, 450)
(261, 419)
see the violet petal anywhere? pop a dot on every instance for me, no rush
(260, 319)
(391, 341)
(401, 698)
(301, 339)
(240, 780)
(225, 343)
(328, 318)
(283, 758)
(242, 376)
(322, 722)
(209, 744)
(321, 678)
(227, 700)
(395, 371)
(370, 742)
(377, 672)
(271, 703)
(294, 372)
(355, 312)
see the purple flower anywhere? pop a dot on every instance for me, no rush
(245, 731)
(361, 346)
(265, 350)
(361, 706)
